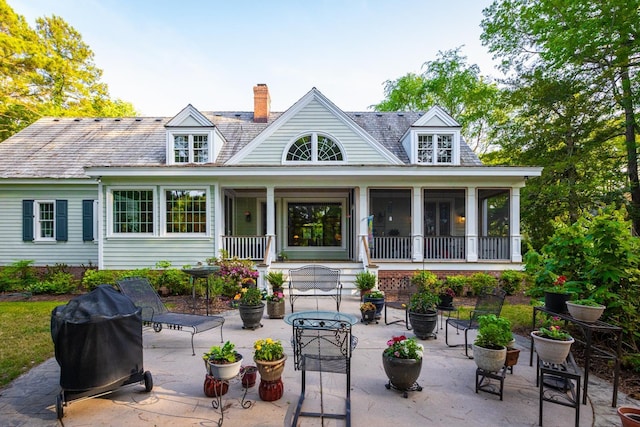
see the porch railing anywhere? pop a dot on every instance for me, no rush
(444, 248)
(494, 248)
(245, 247)
(391, 248)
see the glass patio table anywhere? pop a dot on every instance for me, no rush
(321, 315)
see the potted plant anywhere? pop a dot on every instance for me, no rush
(446, 295)
(276, 279)
(275, 305)
(551, 342)
(269, 358)
(368, 312)
(376, 297)
(222, 362)
(490, 346)
(365, 281)
(402, 362)
(585, 310)
(251, 307)
(557, 295)
(423, 315)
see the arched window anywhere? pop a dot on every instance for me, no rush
(314, 148)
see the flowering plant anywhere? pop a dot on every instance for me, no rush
(367, 306)
(268, 349)
(447, 291)
(402, 347)
(275, 297)
(551, 328)
(376, 293)
(559, 286)
(249, 296)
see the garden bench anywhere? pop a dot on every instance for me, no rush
(315, 281)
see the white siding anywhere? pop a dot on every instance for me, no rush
(73, 252)
(315, 117)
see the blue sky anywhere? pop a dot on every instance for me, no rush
(162, 55)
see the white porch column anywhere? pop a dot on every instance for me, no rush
(218, 219)
(362, 214)
(271, 221)
(416, 224)
(516, 238)
(471, 225)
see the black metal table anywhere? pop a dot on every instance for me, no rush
(556, 382)
(588, 329)
(200, 273)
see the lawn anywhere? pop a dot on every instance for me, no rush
(25, 334)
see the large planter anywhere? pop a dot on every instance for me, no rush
(423, 324)
(224, 371)
(556, 302)
(489, 359)
(251, 315)
(629, 416)
(585, 313)
(551, 351)
(402, 373)
(275, 310)
(271, 387)
(378, 302)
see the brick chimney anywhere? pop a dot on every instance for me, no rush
(261, 103)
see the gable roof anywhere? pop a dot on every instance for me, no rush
(62, 147)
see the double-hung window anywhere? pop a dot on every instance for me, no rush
(190, 148)
(435, 148)
(45, 220)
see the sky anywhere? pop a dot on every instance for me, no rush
(162, 55)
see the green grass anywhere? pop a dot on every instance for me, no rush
(520, 315)
(25, 334)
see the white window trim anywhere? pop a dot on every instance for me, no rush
(455, 153)
(163, 211)
(190, 133)
(314, 150)
(110, 232)
(36, 221)
(96, 223)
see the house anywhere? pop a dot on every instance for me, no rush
(394, 191)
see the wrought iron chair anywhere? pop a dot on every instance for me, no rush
(488, 302)
(323, 345)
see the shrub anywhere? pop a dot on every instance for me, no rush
(512, 281)
(57, 283)
(365, 280)
(93, 278)
(457, 283)
(481, 282)
(17, 276)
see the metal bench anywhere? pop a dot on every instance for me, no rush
(315, 281)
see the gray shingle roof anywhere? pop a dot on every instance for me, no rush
(62, 147)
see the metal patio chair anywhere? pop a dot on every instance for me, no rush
(488, 302)
(156, 314)
(323, 345)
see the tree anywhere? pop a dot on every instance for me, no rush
(595, 43)
(48, 71)
(555, 126)
(453, 85)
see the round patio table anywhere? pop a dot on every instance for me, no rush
(321, 315)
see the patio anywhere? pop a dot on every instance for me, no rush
(448, 380)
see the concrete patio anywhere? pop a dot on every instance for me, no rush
(448, 397)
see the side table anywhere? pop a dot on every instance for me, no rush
(557, 385)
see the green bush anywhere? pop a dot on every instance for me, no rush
(513, 281)
(17, 276)
(457, 283)
(93, 278)
(481, 282)
(57, 283)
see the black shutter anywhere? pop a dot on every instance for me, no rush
(27, 220)
(61, 220)
(87, 221)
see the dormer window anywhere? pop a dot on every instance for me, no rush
(435, 148)
(190, 148)
(314, 148)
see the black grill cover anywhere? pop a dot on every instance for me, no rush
(97, 339)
